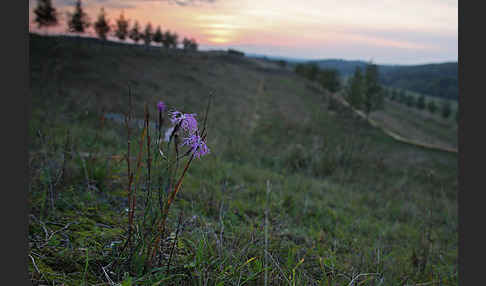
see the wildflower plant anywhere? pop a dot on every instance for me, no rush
(187, 122)
(147, 224)
(196, 145)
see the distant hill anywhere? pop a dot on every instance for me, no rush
(432, 79)
(345, 68)
(439, 80)
(276, 58)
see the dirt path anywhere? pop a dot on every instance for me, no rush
(391, 133)
(258, 104)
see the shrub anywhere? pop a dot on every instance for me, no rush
(431, 106)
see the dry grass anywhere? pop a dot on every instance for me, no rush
(417, 125)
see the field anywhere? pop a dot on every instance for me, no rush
(438, 100)
(295, 191)
(418, 125)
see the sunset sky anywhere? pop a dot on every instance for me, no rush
(385, 31)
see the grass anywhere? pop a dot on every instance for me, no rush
(418, 125)
(347, 203)
(438, 101)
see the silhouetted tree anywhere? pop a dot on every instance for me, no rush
(158, 35)
(166, 39)
(431, 106)
(101, 26)
(446, 108)
(189, 44)
(372, 96)
(186, 43)
(148, 34)
(45, 14)
(194, 44)
(355, 92)
(134, 33)
(78, 21)
(174, 42)
(170, 40)
(121, 30)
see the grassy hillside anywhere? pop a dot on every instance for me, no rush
(295, 190)
(418, 125)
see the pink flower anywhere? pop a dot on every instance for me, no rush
(197, 145)
(187, 121)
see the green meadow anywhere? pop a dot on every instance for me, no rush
(296, 190)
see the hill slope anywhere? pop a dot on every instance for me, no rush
(344, 199)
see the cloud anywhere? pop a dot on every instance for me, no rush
(182, 3)
(189, 2)
(126, 3)
(116, 4)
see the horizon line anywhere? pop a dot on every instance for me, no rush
(249, 54)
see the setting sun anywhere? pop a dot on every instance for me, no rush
(240, 142)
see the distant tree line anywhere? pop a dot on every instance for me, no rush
(328, 78)
(78, 22)
(236, 52)
(363, 92)
(420, 102)
(439, 80)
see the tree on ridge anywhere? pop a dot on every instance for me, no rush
(121, 30)
(45, 14)
(78, 21)
(101, 26)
